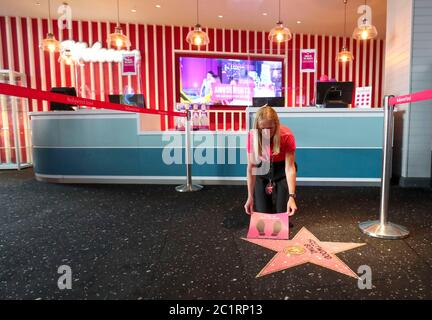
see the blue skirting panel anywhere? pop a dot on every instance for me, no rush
(313, 163)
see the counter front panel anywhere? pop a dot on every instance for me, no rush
(333, 147)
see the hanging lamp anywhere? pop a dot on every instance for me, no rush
(345, 55)
(197, 36)
(117, 39)
(66, 57)
(280, 33)
(50, 43)
(366, 30)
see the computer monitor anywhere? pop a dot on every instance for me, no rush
(271, 101)
(136, 100)
(334, 94)
(55, 106)
(115, 98)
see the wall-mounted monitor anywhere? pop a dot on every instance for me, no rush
(224, 81)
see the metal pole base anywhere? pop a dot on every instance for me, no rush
(189, 188)
(389, 231)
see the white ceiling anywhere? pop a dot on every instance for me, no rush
(316, 16)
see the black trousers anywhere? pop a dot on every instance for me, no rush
(277, 201)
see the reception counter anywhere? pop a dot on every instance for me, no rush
(334, 147)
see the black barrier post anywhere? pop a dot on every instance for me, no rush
(382, 228)
(189, 186)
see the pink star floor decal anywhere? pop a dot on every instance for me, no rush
(304, 248)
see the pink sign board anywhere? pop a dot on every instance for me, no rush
(129, 65)
(307, 60)
(268, 226)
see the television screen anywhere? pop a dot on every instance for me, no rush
(231, 82)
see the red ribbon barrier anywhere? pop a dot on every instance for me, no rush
(29, 93)
(410, 98)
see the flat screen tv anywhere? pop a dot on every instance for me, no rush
(228, 82)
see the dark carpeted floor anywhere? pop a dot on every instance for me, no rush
(149, 242)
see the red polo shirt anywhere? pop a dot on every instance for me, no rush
(287, 143)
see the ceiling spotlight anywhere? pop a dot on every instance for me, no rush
(158, 6)
(298, 21)
(220, 17)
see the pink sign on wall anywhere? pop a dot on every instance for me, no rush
(129, 65)
(268, 226)
(308, 60)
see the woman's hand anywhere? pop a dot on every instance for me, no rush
(291, 207)
(249, 205)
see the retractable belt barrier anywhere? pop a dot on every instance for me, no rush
(23, 92)
(411, 98)
(382, 228)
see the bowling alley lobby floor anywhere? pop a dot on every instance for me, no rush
(150, 242)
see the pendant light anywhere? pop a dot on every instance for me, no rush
(280, 33)
(366, 30)
(66, 57)
(197, 37)
(50, 43)
(118, 39)
(345, 55)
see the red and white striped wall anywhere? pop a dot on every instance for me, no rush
(20, 38)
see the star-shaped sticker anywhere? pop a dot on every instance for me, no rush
(303, 248)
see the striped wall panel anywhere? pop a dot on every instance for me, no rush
(20, 37)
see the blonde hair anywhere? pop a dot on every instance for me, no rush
(265, 113)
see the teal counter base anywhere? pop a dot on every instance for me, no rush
(107, 147)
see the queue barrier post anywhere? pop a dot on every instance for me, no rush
(382, 228)
(189, 186)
